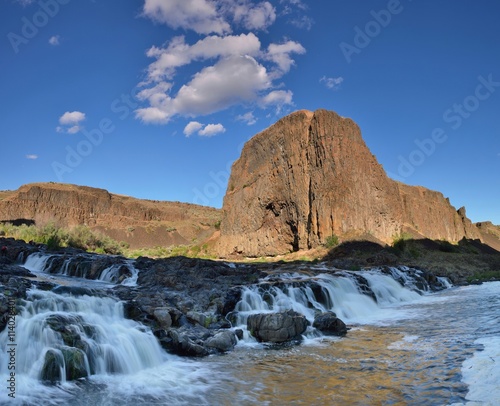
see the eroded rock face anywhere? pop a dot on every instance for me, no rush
(141, 223)
(311, 175)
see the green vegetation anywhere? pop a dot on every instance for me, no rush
(217, 224)
(192, 251)
(484, 276)
(54, 237)
(403, 244)
(332, 241)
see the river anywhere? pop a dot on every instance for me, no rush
(405, 349)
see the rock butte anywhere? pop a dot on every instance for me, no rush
(311, 175)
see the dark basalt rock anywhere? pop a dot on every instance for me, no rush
(72, 358)
(277, 327)
(329, 324)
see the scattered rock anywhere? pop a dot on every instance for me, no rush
(328, 323)
(277, 327)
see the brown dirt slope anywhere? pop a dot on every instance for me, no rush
(141, 223)
(311, 175)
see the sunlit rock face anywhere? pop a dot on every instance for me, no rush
(311, 175)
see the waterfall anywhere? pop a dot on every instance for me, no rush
(65, 337)
(356, 297)
(89, 266)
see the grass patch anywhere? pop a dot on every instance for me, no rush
(55, 237)
(484, 276)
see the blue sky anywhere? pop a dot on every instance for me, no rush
(155, 98)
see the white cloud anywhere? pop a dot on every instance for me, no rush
(254, 17)
(212, 129)
(211, 16)
(231, 81)
(192, 127)
(205, 131)
(178, 53)
(73, 117)
(32, 156)
(248, 118)
(280, 54)
(235, 68)
(332, 83)
(54, 40)
(277, 98)
(74, 129)
(200, 16)
(70, 122)
(297, 3)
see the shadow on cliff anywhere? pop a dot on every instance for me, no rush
(19, 222)
(463, 262)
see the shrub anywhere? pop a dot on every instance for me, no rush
(332, 241)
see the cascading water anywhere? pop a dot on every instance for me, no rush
(122, 271)
(73, 348)
(66, 337)
(356, 297)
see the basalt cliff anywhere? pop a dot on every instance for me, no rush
(310, 176)
(140, 223)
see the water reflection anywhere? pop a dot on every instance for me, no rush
(416, 361)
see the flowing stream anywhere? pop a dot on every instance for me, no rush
(406, 345)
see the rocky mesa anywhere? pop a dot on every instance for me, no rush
(141, 223)
(310, 176)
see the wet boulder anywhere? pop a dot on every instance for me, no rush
(186, 341)
(277, 327)
(162, 316)
(329, 324)
(222, 341)
(73, 359)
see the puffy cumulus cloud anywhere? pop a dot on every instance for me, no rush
(231, 81)
(254, 16)
(212, 129)
(277, 98)
(70, 122)
(211, 16)
(73, 117)
(208, 130)
(200, 16)
(235, 69)
(280, 54)
(332, 83)
(178, 53)
(54, 40)
(192, 127)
